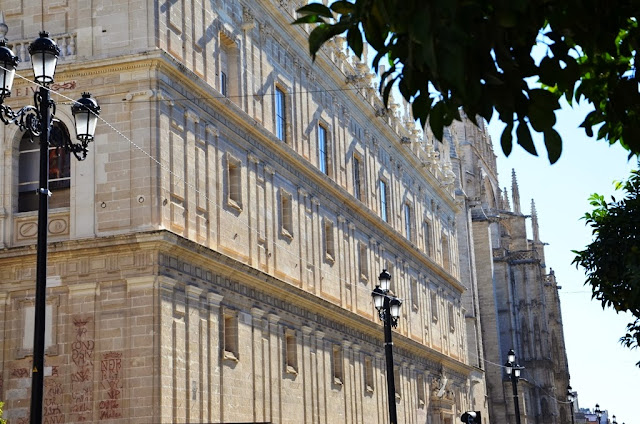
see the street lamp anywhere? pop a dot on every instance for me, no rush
(388, 307)
(571, 398)
(598, 413)
(614, 421)
(38, 121)
(513, 371)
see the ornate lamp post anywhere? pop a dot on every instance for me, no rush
(513, 371)
(598, 412)
(571, 398)
(38, 121)
(614, 421)
(388, 307)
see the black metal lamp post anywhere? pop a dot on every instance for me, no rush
(388, 307)
(571, 398)
(513, 371)
(598, 413)
(38, 121)
(613, 420)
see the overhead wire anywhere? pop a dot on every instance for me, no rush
(283, 247)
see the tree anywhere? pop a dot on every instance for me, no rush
(476, 56)
(612, 260)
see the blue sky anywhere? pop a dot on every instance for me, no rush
(602, 370)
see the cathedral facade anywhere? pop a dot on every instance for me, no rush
(517, 301)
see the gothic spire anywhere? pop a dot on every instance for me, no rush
(515, 192)
(534, 222)
(507, 205)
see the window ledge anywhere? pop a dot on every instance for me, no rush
(230, 356)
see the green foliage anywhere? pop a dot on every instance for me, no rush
(2, 420)
(612, 260)
(475, 56)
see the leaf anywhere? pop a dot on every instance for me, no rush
(506, 139)
(315, 9)
(354, 40)
(553, 143)
(524, 138)
(436, 119)
(421, 108)
(317, 38)
(387, 89)
(342, 7)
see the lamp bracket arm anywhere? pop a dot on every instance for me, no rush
(26, 118)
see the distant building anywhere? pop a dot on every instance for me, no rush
(518, 302)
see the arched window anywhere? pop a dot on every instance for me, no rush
(29, 173)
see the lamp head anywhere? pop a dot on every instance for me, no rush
(384, 280)
(394, 307)
(516, 370)
(9, 62)
(85, 112)
(511, 356)
(378, 298)
(508, 367)
(44, 58)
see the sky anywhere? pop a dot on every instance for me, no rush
(602, 370)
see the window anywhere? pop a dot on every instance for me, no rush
(452, 322)
(446, 261)
(357, 184)
(323, 150)
(329, 248)
(427, 238)
(281, 117)
(229, 68)
(407, 221)
(396, 379)
(338, 372)
(291, 352)
(368, 375)
(286, 214)
(363, 261)
(384, 201)
(29, 173)
(434, 306)
(223, 83)
(421, 396)
(230, 337)
(414, 294)
(234, 182)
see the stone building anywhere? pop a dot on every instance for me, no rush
(213, 258)
(517, 298)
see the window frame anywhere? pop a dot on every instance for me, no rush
(329, 241)
(28, 163)
(234, 182)
(230, 339)
(383, 189)
(338, 365)
(358, 186)
(290, 351)
(324, 154)
(408, 220)
(286, 214)
(280, 113)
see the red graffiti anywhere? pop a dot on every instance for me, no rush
(19, 373)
